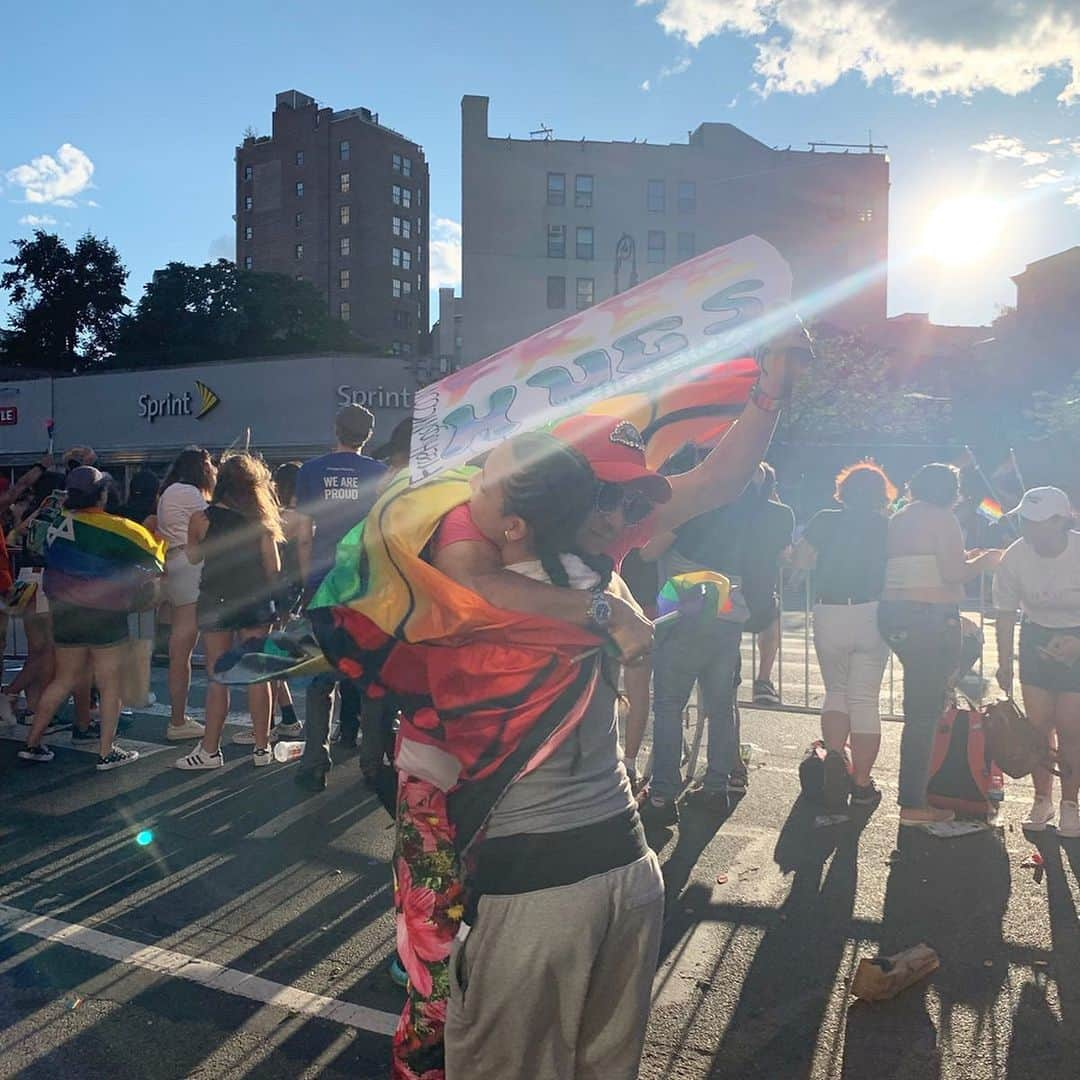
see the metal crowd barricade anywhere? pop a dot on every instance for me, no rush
(795, 631)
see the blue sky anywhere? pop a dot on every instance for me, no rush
(155, 97)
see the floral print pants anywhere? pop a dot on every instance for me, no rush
(428, 898)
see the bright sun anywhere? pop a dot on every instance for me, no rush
(963, 230)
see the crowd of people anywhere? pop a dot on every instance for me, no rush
(529, 901)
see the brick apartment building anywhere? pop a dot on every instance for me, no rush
(552, 225)
(341, 200)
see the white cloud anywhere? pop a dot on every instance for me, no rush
(36, 222)
(1006, 146)
(445, 254)
(925, 47)
(681, 65)
(54, 180)
(1073, 199)
(646, 86)
(1047, 176)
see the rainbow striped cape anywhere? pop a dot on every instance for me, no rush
(98, 560)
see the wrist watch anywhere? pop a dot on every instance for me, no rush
(599, 611)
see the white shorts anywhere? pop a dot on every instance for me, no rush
(852, 654)
(181, 579)
(39, 605)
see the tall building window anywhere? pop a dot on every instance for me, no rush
(249, 262)
(345, 246)
(556, 189)
(655, 197)
(397, 288)
(686, 246)
(344, 183)
(298, 251)
(299, 157)
(298, 219)
(406, 259)
(583, 191)
(584, 244)
(406, 166)
(396, 227)
(344, 279)
(395, 257)
(395, 348)
(586, 292)
(406, 198)
(249, 202)
(249, 173)
(556, 241)
(395, 194)
(866, 216)
(249, 232)
(343, 150)
(345, 310)
(556, 292)
(657, 246)
(687, 196)
(344, 214)
(419, 226)
(396, 160)
(401, 319)
(406, 288)
(406, 228)
(299, 189)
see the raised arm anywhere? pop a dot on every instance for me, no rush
(727, 469)
(956, 565)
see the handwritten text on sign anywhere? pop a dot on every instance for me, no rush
(697, 312)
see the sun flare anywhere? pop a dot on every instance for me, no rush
(963, 230)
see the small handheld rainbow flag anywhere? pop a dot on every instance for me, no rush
(700, 592)
(991, 510)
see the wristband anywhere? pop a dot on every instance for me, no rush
(765, 401)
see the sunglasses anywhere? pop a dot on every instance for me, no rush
(634, 505)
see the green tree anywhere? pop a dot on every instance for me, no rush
(67, 302)
(190, 314)
(849, 394)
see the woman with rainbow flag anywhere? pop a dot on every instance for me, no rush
(98, 567)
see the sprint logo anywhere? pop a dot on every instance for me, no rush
(199, 405)
(208, 400)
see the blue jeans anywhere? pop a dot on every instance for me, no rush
(709, 655)
(927, 641)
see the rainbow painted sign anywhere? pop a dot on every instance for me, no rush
(702, 311)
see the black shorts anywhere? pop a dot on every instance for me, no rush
(222, 615)
(84, 627)
(1041, 671)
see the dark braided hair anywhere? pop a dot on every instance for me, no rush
(552, 489)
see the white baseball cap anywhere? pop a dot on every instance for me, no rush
(1044, 503)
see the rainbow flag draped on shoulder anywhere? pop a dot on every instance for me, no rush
(98, 560)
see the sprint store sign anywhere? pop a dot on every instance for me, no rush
(197, 404)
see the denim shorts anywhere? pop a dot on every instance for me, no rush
(1042, 671)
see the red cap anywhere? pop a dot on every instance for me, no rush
(615, 450)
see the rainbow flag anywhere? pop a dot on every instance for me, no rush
(98, 560)
(991, 510)
(700, 592)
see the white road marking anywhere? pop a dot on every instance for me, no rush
(203, 972)
(63, 740)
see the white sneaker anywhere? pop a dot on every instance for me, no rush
(287, 729)
(261, 755)
(1040, 815)
(189, 729)
(1068, 819)
(200, 759)
(247, 737)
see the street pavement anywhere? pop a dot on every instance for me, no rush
(251, 936)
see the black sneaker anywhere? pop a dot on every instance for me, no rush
(658, 812)
(738, 781)
(710, 800)
(90, 733)
(310, 779)
(765, 693)
(865, 794)
(116, 758)
(837, 782)
(287, 730)
(39, 754)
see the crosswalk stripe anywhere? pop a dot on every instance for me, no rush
(192, 969)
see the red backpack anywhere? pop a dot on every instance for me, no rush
(961, 768)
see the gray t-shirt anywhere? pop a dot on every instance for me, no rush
(583, 781)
